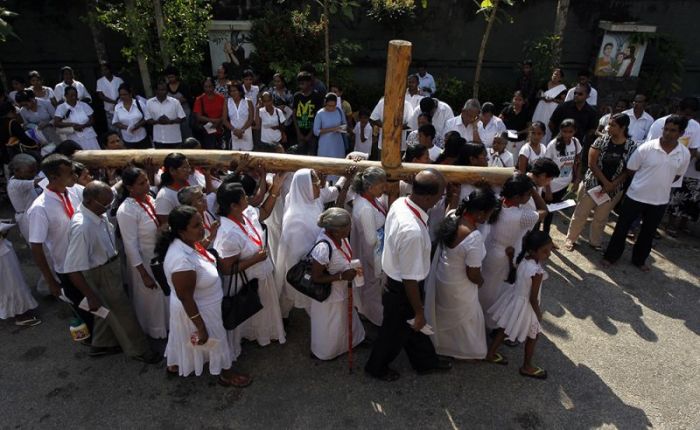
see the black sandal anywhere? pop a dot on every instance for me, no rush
(540, 373)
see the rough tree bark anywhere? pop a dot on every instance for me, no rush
(482, 50)
(560, 27)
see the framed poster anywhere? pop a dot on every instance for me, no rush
(229, 45)
(619, 57)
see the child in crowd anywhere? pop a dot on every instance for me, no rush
(498, 156)
(517, 312)
(533, 149)
(363, 133)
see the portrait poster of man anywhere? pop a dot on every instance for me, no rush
(229, 45)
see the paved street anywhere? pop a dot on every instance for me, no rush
(621, 350)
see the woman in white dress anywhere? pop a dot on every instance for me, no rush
(534, 149)
(15, 297)
(517, 312)
(241, 245)
(175, 176)
(238, 117)
(303, 205)
(138, 226)
(550, 96)
(332, 256)
(369, 210)
(452, 289)
(197, 334)
(76, 116)
(514, 220)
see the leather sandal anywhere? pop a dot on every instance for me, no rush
(237, 380)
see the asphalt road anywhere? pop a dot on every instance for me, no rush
(621, 349)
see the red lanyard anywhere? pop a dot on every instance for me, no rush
(509, 203)
(203, 252)
(374, 203)
(207, 224)
(415, 212)
(340, 248)
(178, 187)
(149, 209)
(67, 205)
(257, 240)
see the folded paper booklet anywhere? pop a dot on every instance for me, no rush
(101, 312)
(553, 207)
(426, 330)
(209, 128)
(598, 195)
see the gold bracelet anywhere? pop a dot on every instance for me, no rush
(194, 316)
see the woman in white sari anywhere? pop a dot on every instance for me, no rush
(303, 205)
(550, 96)
(451, 291)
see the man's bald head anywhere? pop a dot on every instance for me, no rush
(428, 182)
(97, 196)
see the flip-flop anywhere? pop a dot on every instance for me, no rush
(238, 381)
(499, 359)
(540, 373)
(31, 322)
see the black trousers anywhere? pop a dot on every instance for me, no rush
(143, 144)
(161, 145)
(556, 198)
(395, 334)
(76, 297)
(651, 216)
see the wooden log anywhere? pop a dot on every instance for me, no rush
(287, 163)
(397, 62)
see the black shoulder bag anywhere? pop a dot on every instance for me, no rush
(299, 276)
(243, 304)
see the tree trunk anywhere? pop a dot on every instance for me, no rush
(560, 27)
(140, 58)
(96, 31)
(327, 40)
(482, 50)
(160, 28)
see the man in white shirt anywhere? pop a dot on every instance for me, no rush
(69, 81)
(440, 112)
(467, 123)
(584, 78)
(165, 114)
(426, 82)
(490, 125)
(376, 118)
(413, 93)
(93, 267)
(108, 91)
(406, 262)
(655, 164)
(640, 120)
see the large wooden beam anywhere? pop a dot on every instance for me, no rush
(397, 62)
(288, 163)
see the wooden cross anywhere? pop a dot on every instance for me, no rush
(398, 61)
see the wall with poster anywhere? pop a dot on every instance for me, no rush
(618, 56)
(229, 45)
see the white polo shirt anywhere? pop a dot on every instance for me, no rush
(466, 131)
(406, 252)
(413, 100)
(690, 139)
(110, 89)
(91, 242)
(129, 118)
(61, 88)
(50, 225)
(639, 127)
(442, 114)
(655, 171)
(170, 107)
(487, 133)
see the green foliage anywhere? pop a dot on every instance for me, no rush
(453, 91)
(487, 7)
(543, 53)
(665, 77)
(391, 11)
(5, 27)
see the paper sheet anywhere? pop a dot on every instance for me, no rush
(101, 312)
(426, 330)
(598, 195)
(553, 207)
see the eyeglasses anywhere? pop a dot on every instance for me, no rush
(105, 207)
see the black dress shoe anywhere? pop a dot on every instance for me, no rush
(100, 351)
(441, 366)
(151, 357)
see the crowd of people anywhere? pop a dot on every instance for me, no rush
(444, 270)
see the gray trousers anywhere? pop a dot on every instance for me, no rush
(121, 326)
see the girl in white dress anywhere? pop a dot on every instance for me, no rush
(511, 224)
(238, 117)
(138, 226)
(332, 256)
(451, 291)
(517, 312)
(241, 245)
(369, 210)
(15, 297)
(533, 149)
(175, 176)
(197, 334)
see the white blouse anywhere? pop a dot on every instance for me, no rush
(138, 230)
(182, 258)
(166, 201)
(237, 115)
(337, 263)
(232, 240)
(269, 120)
(78, 114)
(129, 118)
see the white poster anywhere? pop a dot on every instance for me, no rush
(618, 56)
(229, 45)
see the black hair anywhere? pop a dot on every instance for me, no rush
(178, 220)
(427, 130)
(363, 112)
(488, 107)
(544, 166)
(173, 160)
(125, 86)
(78, 168)
(247, 73)
(607, 44)
(238, 86)
(70, 88)
(24, 96)
(308, 68)
(304, 76)
(228, 194)
(330, 97)
(561, 146)
(413, 152)
(540, 125)
(517, 185)
(680, 121)
(482, 199)
(533, 241)
(190, 143)
(105, 137)
(425, 115)
(623, 121)
(584, 72)
(129, 176)
(249, 184)
(689, 103)
(279, 75)
(107, 65)
(67, 148)
(33, 74)
(470, 150)
(51, 165)
(427, 104)
(454, 146)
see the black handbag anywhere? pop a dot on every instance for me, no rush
(299, 277)
(159, 275)
(243, 304)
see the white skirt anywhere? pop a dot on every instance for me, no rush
(244, 144)
(514, 314)
(180, 351)
(150, 305)
(369, 299)
(266, 325)
(329, 329)
(15, 296)
(464, 340)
